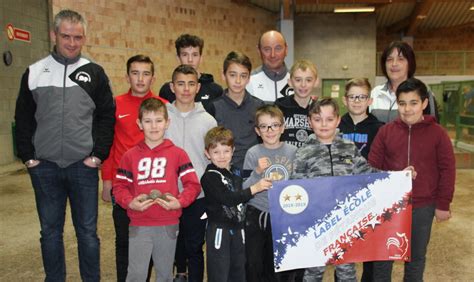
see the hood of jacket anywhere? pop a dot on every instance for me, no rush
(206, 78)
(166, 144)
(427, 120)
(369, 121)
(198, 109)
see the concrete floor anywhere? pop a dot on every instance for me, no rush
(450, 255)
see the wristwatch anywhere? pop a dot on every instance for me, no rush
(95, 160)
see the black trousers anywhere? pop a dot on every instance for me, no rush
(189, 251)
(258, 246)
(422, 220)
(225, 251)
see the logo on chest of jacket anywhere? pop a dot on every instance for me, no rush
(347, 159)
(83, 76)
(287, 90)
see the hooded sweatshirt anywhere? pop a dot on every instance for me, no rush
(126, 131)
(143, 169)
(209, 90)
(187, 131)
(424, 145)
(362, 133)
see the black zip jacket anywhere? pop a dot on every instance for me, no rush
(224, 197)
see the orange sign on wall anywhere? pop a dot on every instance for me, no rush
(14, 33)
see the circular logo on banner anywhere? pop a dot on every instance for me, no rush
(294, 199)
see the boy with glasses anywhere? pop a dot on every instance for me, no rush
(273, 159)
(358, 125)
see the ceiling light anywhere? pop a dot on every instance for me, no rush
(354, 10)
(472, 8)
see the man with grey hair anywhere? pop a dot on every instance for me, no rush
(270, 81)
(64, 128)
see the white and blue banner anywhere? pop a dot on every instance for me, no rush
(342, 219)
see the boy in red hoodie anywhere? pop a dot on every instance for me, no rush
(154, 164)
(418, 141)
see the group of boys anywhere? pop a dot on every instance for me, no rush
(161, 149)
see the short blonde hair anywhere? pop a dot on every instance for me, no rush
(303, 65)
(359, 82)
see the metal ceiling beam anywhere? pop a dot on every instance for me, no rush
(363, 2)
(287, 9)
(450, 29)
(419, 15)
(358, 2)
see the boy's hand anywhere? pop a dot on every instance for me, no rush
(169, 202)
(442, 215)
(413, 171)
(106, 189)
(263, 163)
(140, 203)
(261, 185)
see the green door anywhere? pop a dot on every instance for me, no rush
(335, 88)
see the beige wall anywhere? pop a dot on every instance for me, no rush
(31, 15)
(119, 29)
(333, 41)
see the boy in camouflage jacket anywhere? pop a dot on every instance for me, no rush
(326, 154)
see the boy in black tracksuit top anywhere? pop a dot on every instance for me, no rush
(303, 79)
(357, 124)
(225, 248)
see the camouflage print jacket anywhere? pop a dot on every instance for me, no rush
(315, 159)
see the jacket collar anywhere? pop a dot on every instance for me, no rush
(275, 76)
(63, 60)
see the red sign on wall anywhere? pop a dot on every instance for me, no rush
(14, 33)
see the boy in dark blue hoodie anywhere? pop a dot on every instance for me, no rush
(358, 125)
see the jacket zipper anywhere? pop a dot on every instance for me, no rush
(330, 160)
(62, 113)
(276, 89)
(409, 141)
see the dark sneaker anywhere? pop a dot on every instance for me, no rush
(180, 278)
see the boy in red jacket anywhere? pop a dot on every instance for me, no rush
(154, 164)
(140, 76)
(418, 141)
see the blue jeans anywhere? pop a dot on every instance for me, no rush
(53, 185)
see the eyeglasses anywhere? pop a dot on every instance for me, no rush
(265, 128)
(361, 98)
